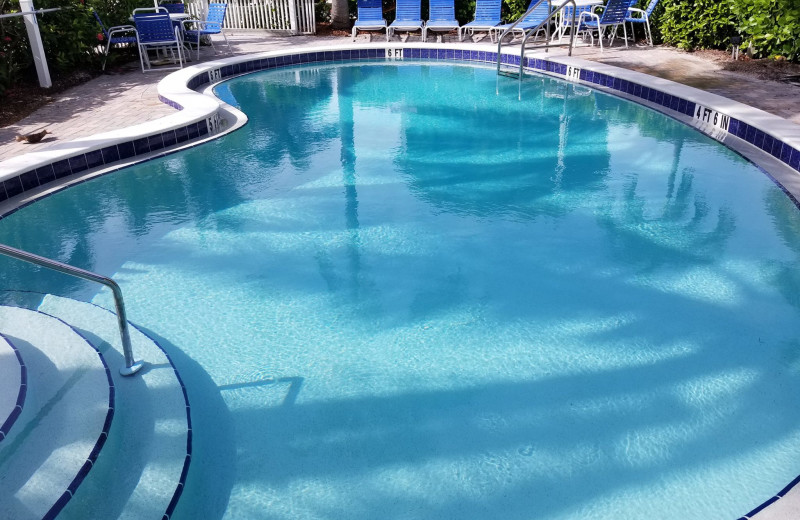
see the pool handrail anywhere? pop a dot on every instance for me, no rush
(131, 366)
(544, 24)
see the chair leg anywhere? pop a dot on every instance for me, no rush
(141, 58)
(105, 57)
(227, 43)
(649, 32)
(625, 34)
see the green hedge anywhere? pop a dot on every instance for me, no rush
(769, 28)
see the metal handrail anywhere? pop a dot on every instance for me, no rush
(545, 23)
(26, 13)
(131, 366)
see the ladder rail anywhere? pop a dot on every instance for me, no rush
(546, 24)
(131, 365)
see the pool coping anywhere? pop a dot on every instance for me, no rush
(769, 141)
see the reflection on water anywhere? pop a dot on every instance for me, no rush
(544, 302)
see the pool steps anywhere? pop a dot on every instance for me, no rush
(13, 374)
(61, 428)
(140, 470)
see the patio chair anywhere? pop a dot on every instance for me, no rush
(643, 17)
(564, 23)
(487, 17)
(407, 18)
(370, 17)
(534, 18)
(155, 31)
(442, 17)
(208, 27)
(114, 35)
(613, 16)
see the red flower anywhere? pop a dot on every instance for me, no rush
(101, 36)
(7, 38)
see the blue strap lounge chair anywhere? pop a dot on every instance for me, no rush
(208, 27)
(642, 16)
(155, 31)
(370, 17)
(442, 17)
(534, 18)
(613, 15)
(407, 18)
(487, 17)
(117, 35)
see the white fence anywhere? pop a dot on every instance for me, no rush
(295, 16)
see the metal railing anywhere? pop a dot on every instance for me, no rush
(544, 24)
(131, 366)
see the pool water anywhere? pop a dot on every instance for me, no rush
(423, 292)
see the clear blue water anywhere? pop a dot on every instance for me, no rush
(397, 294)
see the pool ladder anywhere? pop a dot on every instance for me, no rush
(131, 365)
(517, 73)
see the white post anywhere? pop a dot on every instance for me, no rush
(36, 44)
(293, 15)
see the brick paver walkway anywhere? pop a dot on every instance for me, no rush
(130, 97)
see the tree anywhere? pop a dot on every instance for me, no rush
(340, 15)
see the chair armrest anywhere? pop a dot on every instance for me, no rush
(201, 24)
(587, 14)
(633, 10)
(121, 28)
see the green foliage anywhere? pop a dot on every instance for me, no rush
(771, 27)
(322, 11)
(691, 24)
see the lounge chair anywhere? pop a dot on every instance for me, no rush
(533, 19)
(208, 27)
(643, 16)
(442, 17)
(115, 35)
(613, 15)
(370, 17)
(407, 18)
(487, 17)
(155, 31)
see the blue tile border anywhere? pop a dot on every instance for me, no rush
(65, 497)
(22, 393)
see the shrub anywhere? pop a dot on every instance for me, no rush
(691, 24)
(771, 27)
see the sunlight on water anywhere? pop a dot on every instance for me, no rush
(394, 294)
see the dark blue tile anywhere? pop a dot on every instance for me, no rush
(126, 150)
(193, 132)
(665, 100)
(610, 82)
(776, 148)
(794, 161)
(751, 134)
(682, 106)
(155, 142)
(78, 163)
(181, 134)
(110, 154)
(451, 55)
(13, 416)
(674, 103)
(13, 186)
(169, 138)
(328, 55)
(202, 127)
(61, 168)
(141, 146)
(759, 139)
(651, 96)
(29, 180)
(786, 154)
(789, 486)
(733, 126)
(3, 194)
(23, 389)
(94, 159)
(45, 174)
(73, 486)
(458, 55)
(58, 506)
(690, 106)
(761, 507)
(767, 143)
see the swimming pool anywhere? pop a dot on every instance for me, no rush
(397, 294)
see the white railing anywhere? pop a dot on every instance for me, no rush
(295, 16)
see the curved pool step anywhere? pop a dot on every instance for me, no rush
(141, 472)
(63, 426)
(13, 386)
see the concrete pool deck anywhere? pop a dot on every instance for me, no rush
(128, 97)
